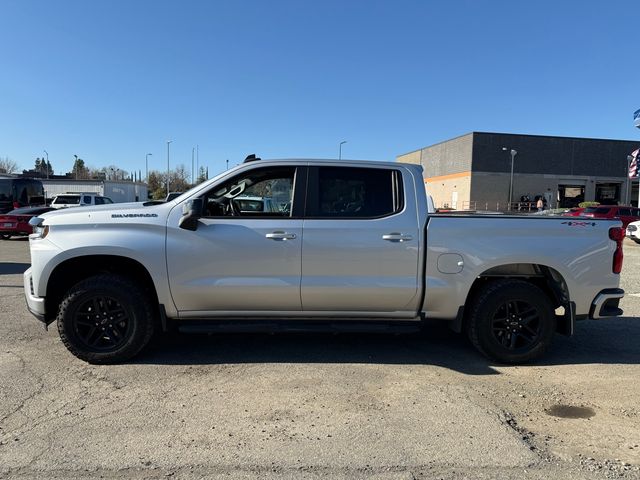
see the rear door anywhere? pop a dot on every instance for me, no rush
(361, 242)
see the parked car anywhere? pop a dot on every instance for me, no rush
(66, 200)
(625, 213)
(573, 212)
(16, 222)
(357, 245)
(633, 231)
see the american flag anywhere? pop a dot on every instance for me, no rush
(633, 166)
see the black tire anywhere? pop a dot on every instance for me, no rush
(5, 236)
(511, 321)
(105, 319)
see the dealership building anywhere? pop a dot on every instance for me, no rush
(474, 171)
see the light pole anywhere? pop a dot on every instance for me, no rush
(168, 143)
(146, 166)
(340, 149)
(193, 154)
(630, 159)
(47, 165)
(513, 156)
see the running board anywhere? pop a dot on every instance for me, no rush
(298, 326)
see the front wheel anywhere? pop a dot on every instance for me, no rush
(5, 236)
(105, 319)
(512, 321)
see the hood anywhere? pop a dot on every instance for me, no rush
(103, 213)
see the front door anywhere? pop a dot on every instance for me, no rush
(244, 257)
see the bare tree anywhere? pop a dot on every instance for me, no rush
(7, 165)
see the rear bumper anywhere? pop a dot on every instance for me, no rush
(606, 304)
(34, 304)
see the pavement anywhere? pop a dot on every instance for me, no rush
(316, 406)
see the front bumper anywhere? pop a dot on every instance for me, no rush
(606, 304)
(34, 304)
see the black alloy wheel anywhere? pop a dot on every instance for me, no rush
(511, 321)
(102, 324)
(516, 325)
(107, 318)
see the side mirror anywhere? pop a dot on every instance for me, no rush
(191, 212)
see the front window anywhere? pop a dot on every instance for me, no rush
(263, 192)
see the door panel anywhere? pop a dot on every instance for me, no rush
(244, 257)
(359, 264)
(233, 265)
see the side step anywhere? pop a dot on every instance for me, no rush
(297, 326)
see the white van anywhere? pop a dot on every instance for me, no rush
(66, 200)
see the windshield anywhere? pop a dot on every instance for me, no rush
(5, 191)
(67, 200)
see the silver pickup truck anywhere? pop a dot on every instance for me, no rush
(316, 245)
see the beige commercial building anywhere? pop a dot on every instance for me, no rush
(473, 171)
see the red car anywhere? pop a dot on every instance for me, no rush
(625, 213)
(16, 222)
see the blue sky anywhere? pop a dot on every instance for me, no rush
(113, 80)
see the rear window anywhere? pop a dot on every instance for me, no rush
(597, 210)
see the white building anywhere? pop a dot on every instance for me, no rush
(118, 191)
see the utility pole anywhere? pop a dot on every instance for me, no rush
(47, 165)
(168, 143)
(193, 178)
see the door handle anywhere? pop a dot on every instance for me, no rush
(397, 237)
(279, 236)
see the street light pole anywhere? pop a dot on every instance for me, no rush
(340, 149)
(168, 143)
(628, 195)
(146, 166)
(47, 165)
(513, 156)
(193, 153)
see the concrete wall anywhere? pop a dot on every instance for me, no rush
(551, 155)
(446, 158)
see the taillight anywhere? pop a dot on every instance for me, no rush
(617, 234)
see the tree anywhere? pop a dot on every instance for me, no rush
(7, 165)
(43, 167)
(157, 183)
(79, 170)
(202, 175)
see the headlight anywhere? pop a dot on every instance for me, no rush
(631, 228)
(41, 231)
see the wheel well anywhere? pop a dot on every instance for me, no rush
(74, 270)
(546, 278)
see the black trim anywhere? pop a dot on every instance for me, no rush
(299, 326)
(610, 307)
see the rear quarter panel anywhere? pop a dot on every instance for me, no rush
(580, 250)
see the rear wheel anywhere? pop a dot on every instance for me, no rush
(105, 319)
(512, 321)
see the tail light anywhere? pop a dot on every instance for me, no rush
(617, 234)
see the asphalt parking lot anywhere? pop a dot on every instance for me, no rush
(319, 406)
